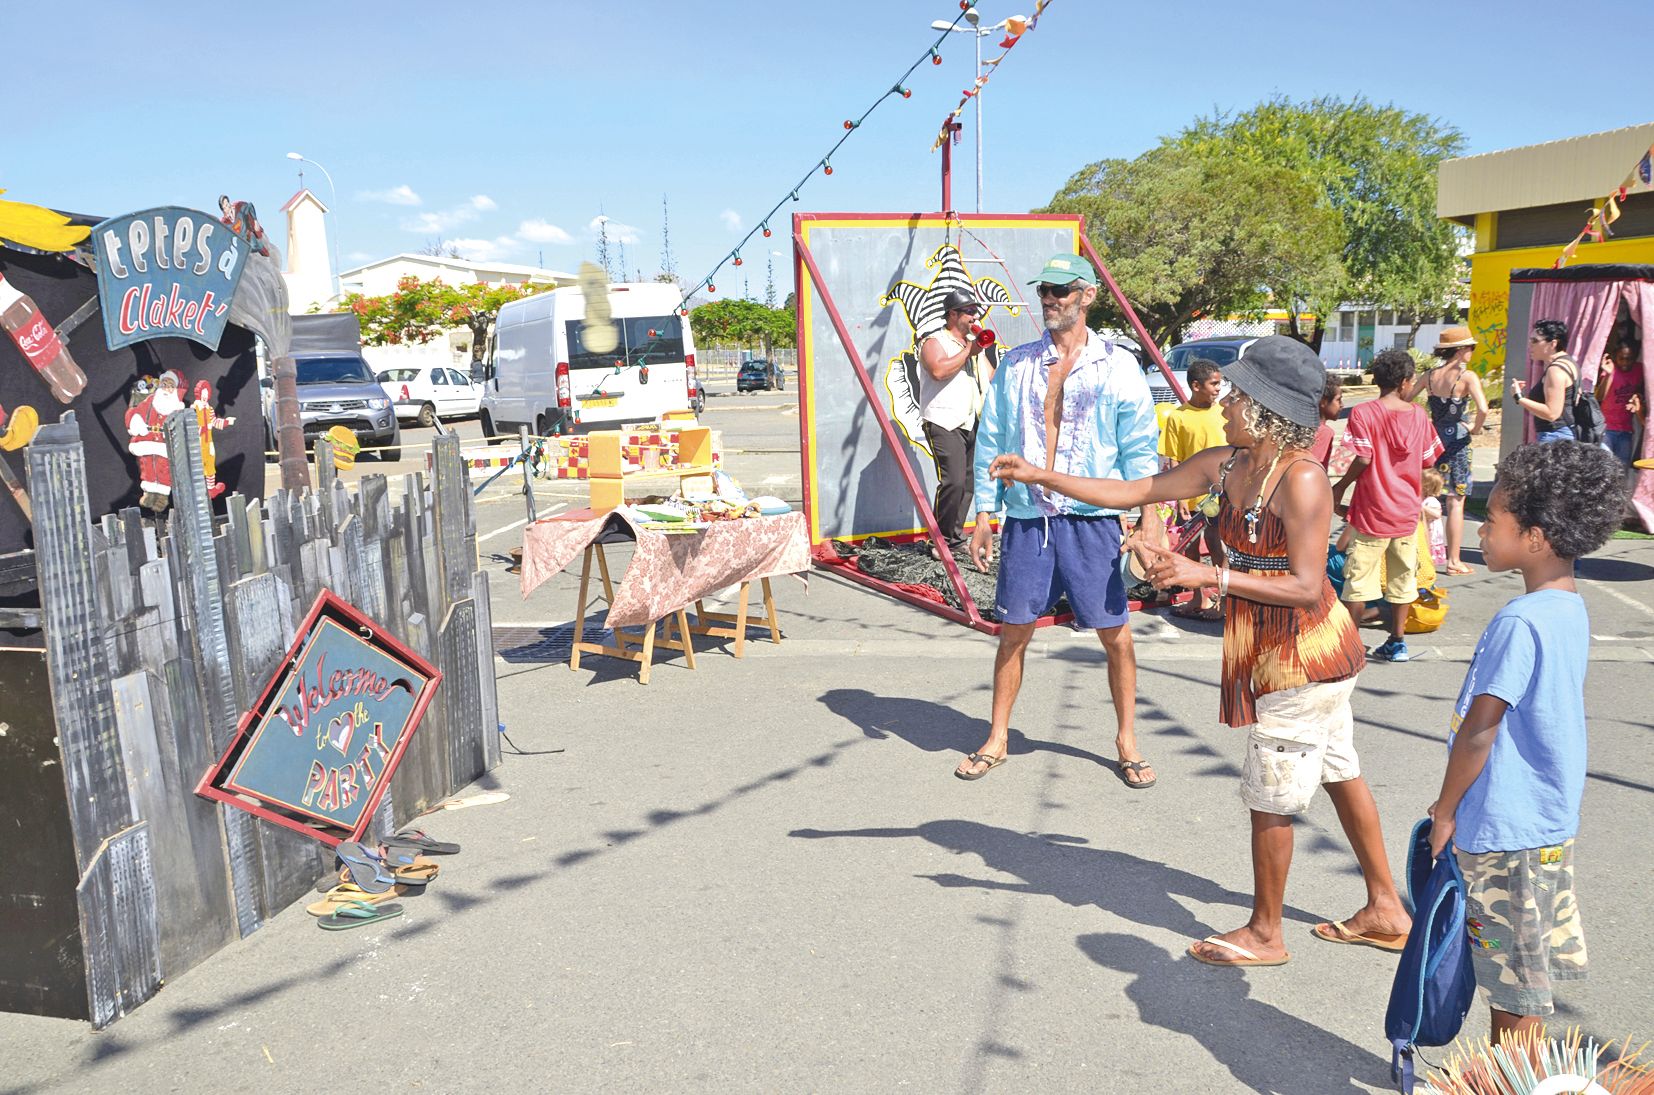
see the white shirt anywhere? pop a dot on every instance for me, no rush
(952, 403)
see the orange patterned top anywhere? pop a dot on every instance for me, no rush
(1270, 648)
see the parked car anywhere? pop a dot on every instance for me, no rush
(552, 372)
(759, 376)
(336, 387)
(430, 392)
(1219, 351)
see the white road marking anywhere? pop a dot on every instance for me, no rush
(520, 524)
(1624, 598)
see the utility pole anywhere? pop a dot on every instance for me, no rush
(603, 244)
(622, 246)
(769, 288)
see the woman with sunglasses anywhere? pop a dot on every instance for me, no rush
(1291, 652)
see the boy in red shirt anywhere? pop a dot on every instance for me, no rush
(1394, 442)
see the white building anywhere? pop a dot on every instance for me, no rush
(379, 278)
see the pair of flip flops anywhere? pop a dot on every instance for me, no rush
(367, 867)
(358, 914)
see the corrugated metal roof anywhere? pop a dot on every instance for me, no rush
(1580, 169)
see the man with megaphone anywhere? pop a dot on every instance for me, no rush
(951, 383)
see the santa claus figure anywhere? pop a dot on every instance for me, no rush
(207, 419)
(148, 443)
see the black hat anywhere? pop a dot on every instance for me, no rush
(961, 299)
(1283, 375)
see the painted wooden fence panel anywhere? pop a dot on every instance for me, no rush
(158, 634)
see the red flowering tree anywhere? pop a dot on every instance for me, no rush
(419, 311)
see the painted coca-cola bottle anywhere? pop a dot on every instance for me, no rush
(37, 338)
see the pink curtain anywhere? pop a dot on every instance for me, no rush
(1589, 309)
(1639, 299)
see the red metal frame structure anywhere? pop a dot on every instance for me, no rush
(331, 605)
(805, 266)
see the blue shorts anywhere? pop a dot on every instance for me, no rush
(1040, 560)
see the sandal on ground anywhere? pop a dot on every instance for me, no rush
(1137, 766)
(1336, 932)
(356, 914)
(1246, 957)
(418, 838)
(1458, 568)
(979, 758)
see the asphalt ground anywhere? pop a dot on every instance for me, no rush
(761, 875)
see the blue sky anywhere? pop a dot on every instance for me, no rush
(509, 127)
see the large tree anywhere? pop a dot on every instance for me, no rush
(1190, 234)
(742, 323)
(1376, 166)
(419, 311)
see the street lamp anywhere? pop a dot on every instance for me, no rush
(978, 32)
(334, 194)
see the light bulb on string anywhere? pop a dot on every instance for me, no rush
(904, 92)
(935, 58)
(795, 195)
(826, 168)
(767, 232)
(848, 124)
(737, 260)
(711, 288)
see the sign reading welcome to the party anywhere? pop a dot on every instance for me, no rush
(166, 273)
(318, 750)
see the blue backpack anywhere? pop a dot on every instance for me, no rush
(1435, 981)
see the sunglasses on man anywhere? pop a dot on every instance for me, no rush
(1059, 292)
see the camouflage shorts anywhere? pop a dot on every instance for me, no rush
(1524, 925)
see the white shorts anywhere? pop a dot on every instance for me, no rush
(1304, 737)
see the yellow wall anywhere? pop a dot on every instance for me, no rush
(1490, 287)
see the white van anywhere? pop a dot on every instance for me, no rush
(539, 373)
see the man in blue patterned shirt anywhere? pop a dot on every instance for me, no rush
(1078, 403)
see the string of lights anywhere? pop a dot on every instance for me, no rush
(825, 163)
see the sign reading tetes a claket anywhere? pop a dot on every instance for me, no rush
(317, 751)
(166, 273)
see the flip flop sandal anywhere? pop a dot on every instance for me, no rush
(418, 838)
(1247, 958)
(417, 874)
(1337, 932)
(980, 758)
(344, 894)
(1124, 766)
(367, 869)
(357, 914)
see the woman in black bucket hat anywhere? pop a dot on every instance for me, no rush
(1291, 652)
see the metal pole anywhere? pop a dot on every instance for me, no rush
(978, 76)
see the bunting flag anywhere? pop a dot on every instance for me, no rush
(1604, 213)
(899, 89)
(1016, 28)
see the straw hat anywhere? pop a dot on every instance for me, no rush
(1454, 337)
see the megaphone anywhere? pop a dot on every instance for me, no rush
(984, 336)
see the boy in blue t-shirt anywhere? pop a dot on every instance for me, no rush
(1516, 763)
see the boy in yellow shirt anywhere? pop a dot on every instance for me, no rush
(1193, 427)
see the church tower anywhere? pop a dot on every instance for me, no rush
(309, 270)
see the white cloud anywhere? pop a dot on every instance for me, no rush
(438, 223)
(618, 233)
(396, 195)
(483, 202)
(778, 254)
(358, 256)
(539, 231)
(731, 219)
(482, 250)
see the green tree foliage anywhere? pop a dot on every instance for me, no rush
(741, 323)
(1189, 234)
(421, 310)
(1376, 166)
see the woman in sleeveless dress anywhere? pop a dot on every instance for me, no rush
(1452, 388)
(1291, 652)
(1553, 411)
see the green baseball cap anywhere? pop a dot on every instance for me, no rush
(1062, 269)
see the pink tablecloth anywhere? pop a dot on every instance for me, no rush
(670, 571)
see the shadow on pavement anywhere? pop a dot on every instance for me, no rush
(1055, 865)
(1185, 997)
(934, 727)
